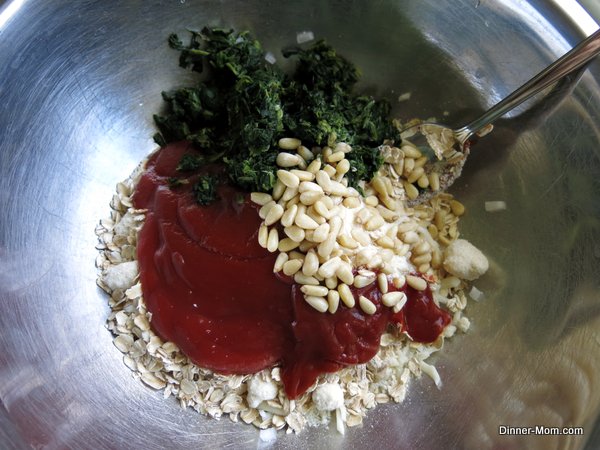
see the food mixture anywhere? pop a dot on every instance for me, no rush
(282, 279)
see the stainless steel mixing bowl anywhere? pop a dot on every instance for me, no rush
(79, 82)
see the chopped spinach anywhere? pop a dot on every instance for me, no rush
(205, 189)
(243, 105)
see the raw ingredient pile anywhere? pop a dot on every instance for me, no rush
(264, 263)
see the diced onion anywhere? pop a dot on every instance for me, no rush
(476, 294)
(304, 36)
(270, 58)
(493, 206)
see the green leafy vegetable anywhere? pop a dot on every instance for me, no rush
(205, 189)
(243, 105)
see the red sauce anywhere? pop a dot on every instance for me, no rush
(211, 290)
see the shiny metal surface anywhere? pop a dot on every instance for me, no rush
(79, 82)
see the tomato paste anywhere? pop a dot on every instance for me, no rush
(211, 288)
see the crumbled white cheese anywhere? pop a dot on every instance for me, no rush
(464, 260)
(120, 276)
(328, 397)
(259, 390)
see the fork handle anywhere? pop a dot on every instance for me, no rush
(569, 62)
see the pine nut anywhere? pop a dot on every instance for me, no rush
(295, 254)
(372, 200)
(306, 245)
(314, 166)
(314, 215)
(337, 188)
(423, 268)
(398, 306)
(422, 247)
(321, 233)
(287, 244)
(344, 273)
(423, 182)
(318, 303)
(409, 165)
(351, 202)
(309, 186)
(333, 299)
(289, 216)
(392, 298)
(291, 266)
(374, 223)
(305, 153)
(279, 262)
(311, 263)
(411, 191)
(260, 198)
(343, 167)
(300, 278)
(417, 173)
(363, 215)
(406, 226)
(399, 281)
(310, 197)
(410, 237)
(287, 160)
(361, 236)
(295, 233)
(385, 242)
(317, 291)
(420, 162)
(410, 151)
(361, 281)
(425, 258)
(336, 157)
(342, 147)
(327, 201)
(288, 178)
(274, 215)
(273, 240)
(288, 194)
(382, 283)
(331, 282)
(416, 283)
(289, 143)
(346, 241)
(330, 170)
(303, 175)
(304, 221)
(367, 305)
(375, 262)
(263, 235)
(323, 179)
(264, 210)
(326, 247)
(278, 190)
(328, 269)
(379, 186)
(346, 295)
(321, 209)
